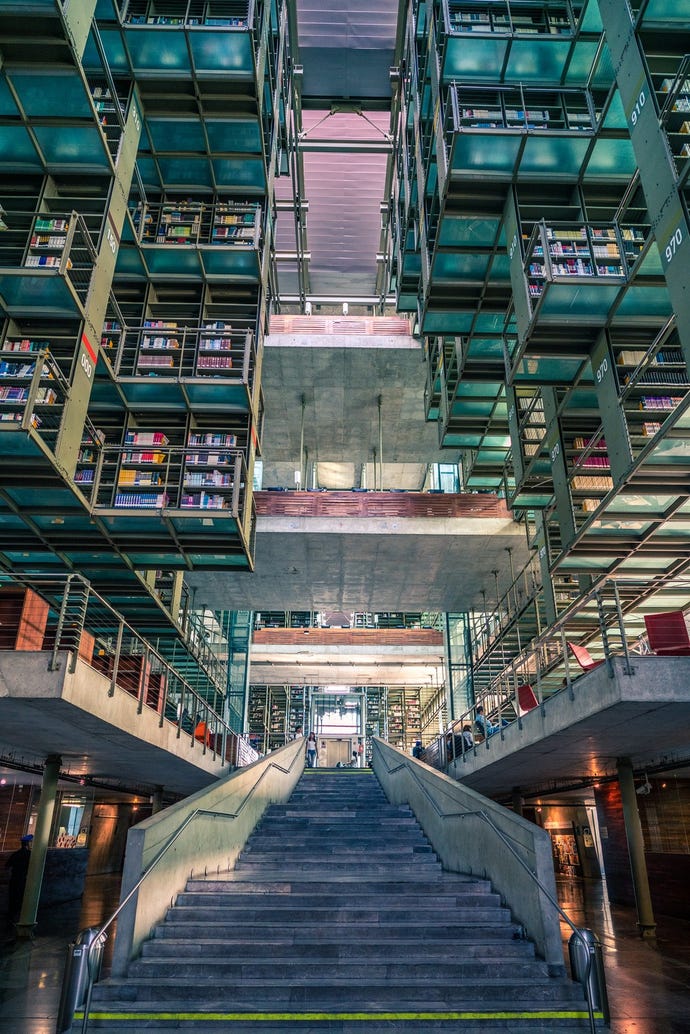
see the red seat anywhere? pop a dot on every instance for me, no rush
(526, 698)
(668, 633)
(583, 657)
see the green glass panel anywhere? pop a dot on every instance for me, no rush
(498, 441)
(470, 441)
(82, 146)
(153, 390)
(645, 301)
(240, 174)
(489, 322)
(548, 370)
(149, 173)
(222, 51)
(487, 459)
(651, 264)
(447, 265)
(185, 172)
(473, 409)
(589, 302)
(232, 261)
(643, 504)
(177, 259)
(17, 149)
(672, 452)
(36, 293)
(580, 67)
(481, 232)
(537, 59)
(489, 152)
(114, 49)
(613, 159)
(49, 95)
(235, 135)
(485, 348)
(500, 267)
(153, 50)
(438, 322)
(604, 75)
(526, 500)
(467, 57)
(105, 10)
(8, 108)
(678, 529)
(609, 525)
(615, 116)
(468, 389)
(549, 153)
(590, 19)
(667, 12)
(129, 261)
(204, 391)
(176, 135)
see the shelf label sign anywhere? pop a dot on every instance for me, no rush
(88, 358)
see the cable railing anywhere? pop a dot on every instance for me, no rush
(80, 622)
(605, 620)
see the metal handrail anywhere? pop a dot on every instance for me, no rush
(484, 816)
(549, 897)
(100, 937)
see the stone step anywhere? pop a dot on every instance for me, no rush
(338, 900)
(338, 994)
(316, 851)
(292, 869)
(169, 946)
(440, 883)
(280, 875)
(365, 838)
(338, 914)
(189, 926)
(212, 970)
(333, 1023)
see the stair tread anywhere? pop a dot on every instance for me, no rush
(339, 914)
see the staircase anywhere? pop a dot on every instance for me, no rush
(338, 918)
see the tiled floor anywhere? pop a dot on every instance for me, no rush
(648, 983)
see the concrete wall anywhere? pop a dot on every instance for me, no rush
(225, 815)
(465, 842)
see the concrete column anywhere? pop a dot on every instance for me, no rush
(157, 800)
(518, 800)
(638, 865)
(39, 848)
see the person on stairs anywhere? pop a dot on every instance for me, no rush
(484, 726)
(312, 751)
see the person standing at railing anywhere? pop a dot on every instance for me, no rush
(484, 727)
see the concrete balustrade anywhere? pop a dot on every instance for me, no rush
(228, 810)
(452, 818)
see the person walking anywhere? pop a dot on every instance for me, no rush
(18, 864)
(312, 751)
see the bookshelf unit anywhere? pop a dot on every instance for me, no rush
(215, 350)
(210, 472)
(47, 242)
(159, 349)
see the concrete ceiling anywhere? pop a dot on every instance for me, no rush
(320, 665)
(340, 380)
(368, 564)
